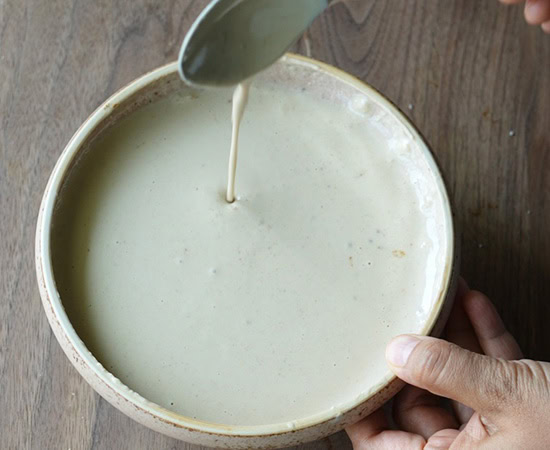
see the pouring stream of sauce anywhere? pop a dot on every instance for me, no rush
(240, 99)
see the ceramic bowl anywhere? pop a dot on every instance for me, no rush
(157, 84)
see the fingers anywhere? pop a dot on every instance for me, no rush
(442, 440)
(475, 325)
(475, 431)
(471, 435)
(491, 333)
(537, 11)
(372, 433)
(420, 412)
(367, 428)
(478, 381)
(462, 412)
(459, 329)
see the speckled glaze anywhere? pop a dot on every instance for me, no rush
(157, 84)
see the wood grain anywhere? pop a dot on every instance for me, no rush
(477, 80)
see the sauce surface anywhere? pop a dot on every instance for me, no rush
(270, 309)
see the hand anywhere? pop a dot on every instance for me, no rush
(510, 397)
(537, 12)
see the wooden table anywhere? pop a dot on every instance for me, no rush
(470, 73)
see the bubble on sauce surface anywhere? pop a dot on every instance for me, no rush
(359, 104)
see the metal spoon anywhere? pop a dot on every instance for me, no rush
(232, 40)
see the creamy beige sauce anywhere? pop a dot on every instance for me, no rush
(240, 99)
(269, 309)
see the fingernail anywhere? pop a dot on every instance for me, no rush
(399, 350)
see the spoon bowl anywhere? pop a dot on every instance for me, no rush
(231, 40)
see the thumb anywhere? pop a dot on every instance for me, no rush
(478, 381)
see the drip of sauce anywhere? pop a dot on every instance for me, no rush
(240, 99)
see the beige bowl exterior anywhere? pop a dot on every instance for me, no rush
(144, 90)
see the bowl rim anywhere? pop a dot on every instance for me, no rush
(56, 313)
